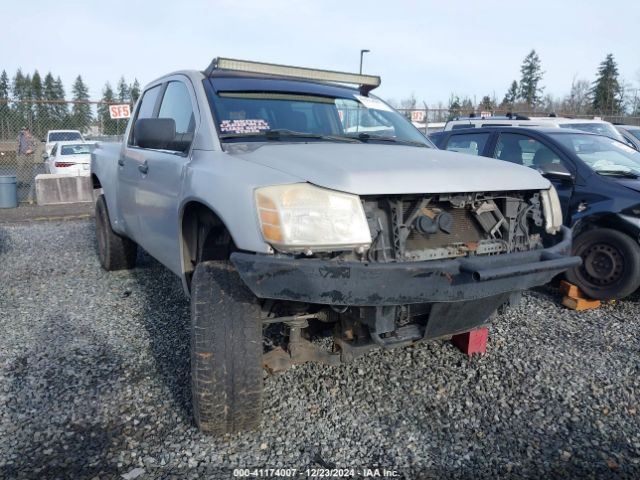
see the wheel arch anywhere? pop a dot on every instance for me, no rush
(203, 236)
(606, 220)
(95, 182)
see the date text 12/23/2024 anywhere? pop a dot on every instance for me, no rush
(315, 473)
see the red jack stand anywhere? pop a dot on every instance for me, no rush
(472, 342)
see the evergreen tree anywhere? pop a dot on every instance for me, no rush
(48, 94)
(41, 118)
(135, 91)
(511, 96)
(124, 92)
(60, 107)
(606, 92)
(109, 126)
(454, 107)
(81, 110)
(487, 104)
(5, 95)
(21, 89)
(17, 86)
(531, 74)
(5, 88)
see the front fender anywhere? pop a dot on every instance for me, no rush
(225, 184)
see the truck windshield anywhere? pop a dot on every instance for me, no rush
(264, 116)
(602, 154)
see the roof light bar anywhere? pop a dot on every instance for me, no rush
(366, 82)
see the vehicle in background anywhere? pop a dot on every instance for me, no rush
(631, 134)
(598, 181)
(54, 136)
(587, 125)
(428, 128)
(284, 199)
(69, 158)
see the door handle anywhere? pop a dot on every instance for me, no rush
(121, 162)
(144, 167)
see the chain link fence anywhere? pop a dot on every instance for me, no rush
(430, 120)
(24, 126)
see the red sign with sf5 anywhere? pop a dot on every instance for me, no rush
(119, 111)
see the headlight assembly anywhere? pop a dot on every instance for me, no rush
(552, 210)
(300, 217)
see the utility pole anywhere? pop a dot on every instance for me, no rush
(362, 52)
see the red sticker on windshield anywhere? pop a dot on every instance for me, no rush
(244, 126)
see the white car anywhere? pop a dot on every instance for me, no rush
(597, 126)
(54, 136)
(70, 158)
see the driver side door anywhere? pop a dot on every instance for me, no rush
(130, 161)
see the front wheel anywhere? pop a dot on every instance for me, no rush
(115, 252)
(610, 264)
(226, 350)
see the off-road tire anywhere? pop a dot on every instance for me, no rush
(114, 251)
(226, 350)
(610, 264)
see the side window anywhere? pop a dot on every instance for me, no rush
(148, 102)
(147, 106)
(176, 104)
(471, 143)
(463, 125)
(524, 150)
(54, 150)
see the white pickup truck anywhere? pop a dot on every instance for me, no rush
(282, 197)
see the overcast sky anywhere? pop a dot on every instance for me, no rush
(429, 48)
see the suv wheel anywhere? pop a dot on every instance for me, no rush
(115, 252)
(226, 350)
(610, 264)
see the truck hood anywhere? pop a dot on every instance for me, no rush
(374, 169)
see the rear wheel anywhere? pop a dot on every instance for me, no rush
(610, 264)
(115, 252)
(226, 350)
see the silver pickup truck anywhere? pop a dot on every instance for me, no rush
(292, 205)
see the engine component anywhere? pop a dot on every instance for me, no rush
(429, 224)
(418, 228)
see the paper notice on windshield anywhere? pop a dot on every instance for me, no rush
(373, 103)
(247, 125)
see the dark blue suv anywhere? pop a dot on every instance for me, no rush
(598, 181)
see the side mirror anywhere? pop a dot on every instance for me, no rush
(555, 171)
(156, 133)
(160, 134)
(45, 155)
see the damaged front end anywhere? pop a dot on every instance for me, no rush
(437, 265)
(451, 226)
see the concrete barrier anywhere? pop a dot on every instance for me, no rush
(53, 189)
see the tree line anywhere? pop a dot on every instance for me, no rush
(608, 94)
(41, 104)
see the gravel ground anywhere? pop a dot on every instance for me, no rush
(94, 384)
